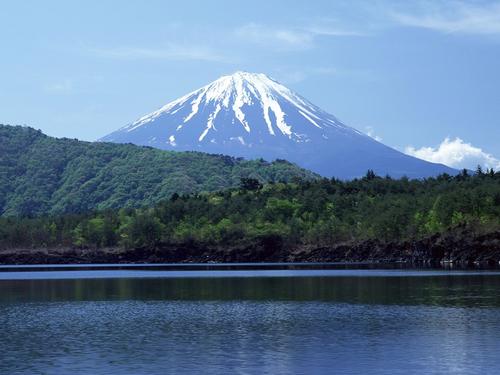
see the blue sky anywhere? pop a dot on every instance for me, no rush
(422, 76)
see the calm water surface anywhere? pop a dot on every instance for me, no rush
(251, 319)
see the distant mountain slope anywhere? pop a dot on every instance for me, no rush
(253, 116)
(40, 174)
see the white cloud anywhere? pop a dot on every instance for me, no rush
(291, 77)
(167, 52)
(371, 133)
(295, 38)
(281, 36)
(330, 31)
(457, 154)
(62, 87)
(325, 70)
(453, 17)
(295, 76)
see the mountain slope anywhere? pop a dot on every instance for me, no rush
(253, 116)
(41, 174)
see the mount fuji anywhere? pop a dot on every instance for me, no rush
(253, 116)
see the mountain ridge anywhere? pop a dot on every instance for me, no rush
(254, 116)
(45, 175)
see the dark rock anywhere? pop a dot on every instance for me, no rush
(460, 246)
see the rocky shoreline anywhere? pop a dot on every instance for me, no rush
(458, 247)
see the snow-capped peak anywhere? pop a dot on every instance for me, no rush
(253, 116)
(240, 93)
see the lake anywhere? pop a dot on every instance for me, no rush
(248, 319)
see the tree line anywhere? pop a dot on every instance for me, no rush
(319, 212)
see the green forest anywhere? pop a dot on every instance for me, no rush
(45, 175)
(319, 212)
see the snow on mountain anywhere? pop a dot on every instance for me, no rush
(251, 115)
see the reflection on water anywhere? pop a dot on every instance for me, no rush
(456, 290)
(434, 324)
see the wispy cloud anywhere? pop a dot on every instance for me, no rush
(289, 75)
(279, 37)
(325, 70)
(456, 153)
(166, 52)
(370, 132)
(453, 17)
(332, 31)
(289, 37)
(61, 87)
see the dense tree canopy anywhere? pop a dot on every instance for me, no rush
(317, 212)
(45, 175)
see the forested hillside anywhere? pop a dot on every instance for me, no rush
(44, 175)
(316, 213)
